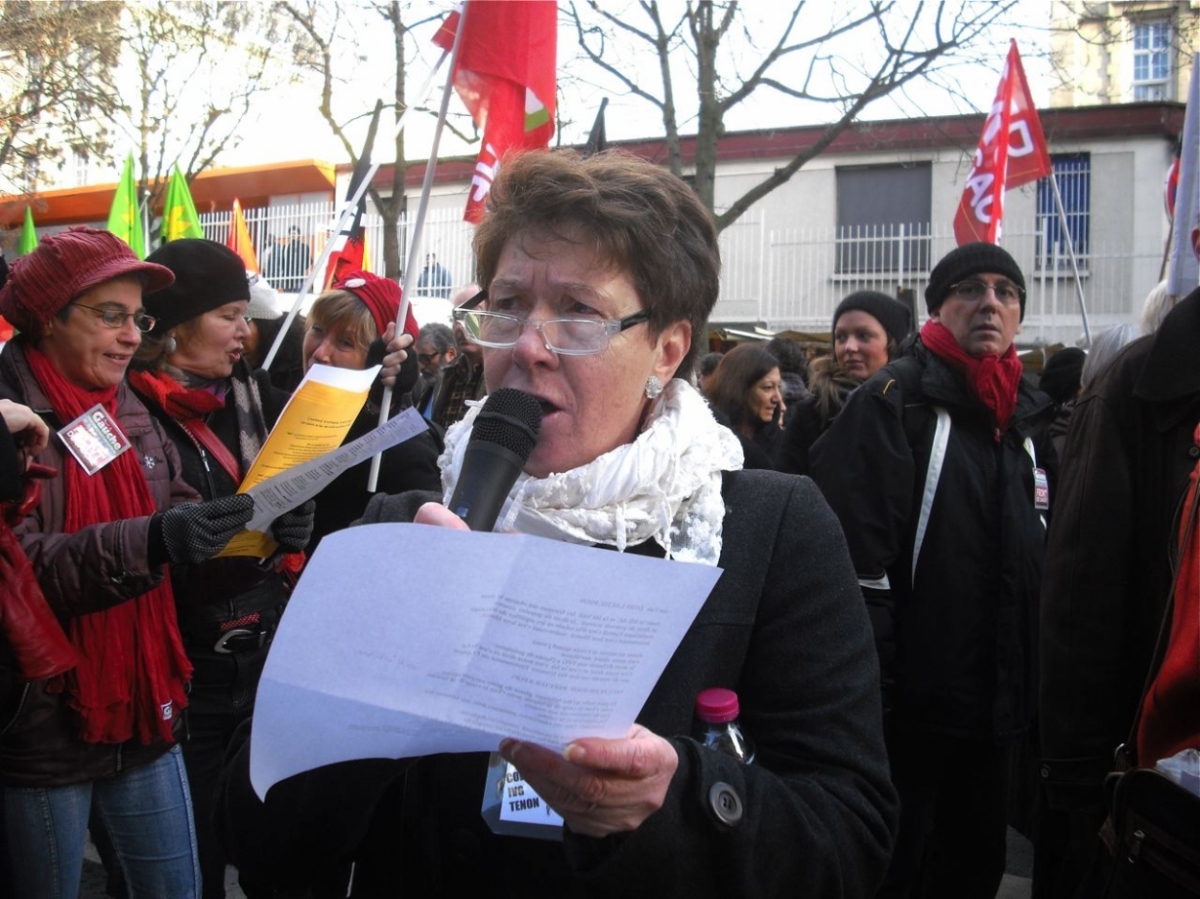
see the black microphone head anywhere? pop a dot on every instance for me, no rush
(511, 419)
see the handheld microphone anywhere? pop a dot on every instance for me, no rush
(501, 440)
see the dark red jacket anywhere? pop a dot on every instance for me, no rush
(89, 570)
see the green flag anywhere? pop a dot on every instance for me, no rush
(179, 212)
(125, 216)
(28, 235)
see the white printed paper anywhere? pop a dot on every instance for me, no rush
(405, 640)
(302, 482)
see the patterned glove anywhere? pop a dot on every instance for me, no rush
(293, 529)
(194, 532)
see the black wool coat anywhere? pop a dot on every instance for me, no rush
(1129, 452)
(784, 627)
(958, 637)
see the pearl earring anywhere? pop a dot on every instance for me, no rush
(653, 387)
(170, 345)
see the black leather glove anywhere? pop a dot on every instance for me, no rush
(195, 532)
(293, 529)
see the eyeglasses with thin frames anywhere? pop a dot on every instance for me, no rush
(974, 291)
(565, 336)
(115, 318)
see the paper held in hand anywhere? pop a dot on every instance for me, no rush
(488, 636)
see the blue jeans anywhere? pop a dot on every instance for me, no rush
(148, 814)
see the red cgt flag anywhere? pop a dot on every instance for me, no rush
(1000, 164)
(505, 74)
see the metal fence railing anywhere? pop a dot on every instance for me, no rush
(793, 278)
(446, 236)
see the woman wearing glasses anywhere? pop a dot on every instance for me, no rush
(100, 739)
(938, 468)
(348, 327)
(600, 276)
(191, 375)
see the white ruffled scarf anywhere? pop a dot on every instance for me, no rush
(664, 486)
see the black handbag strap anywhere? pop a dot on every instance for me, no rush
(1126, 753)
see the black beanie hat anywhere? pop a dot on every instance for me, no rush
(1062, 373)
(971, 259)
(891, 313)
(207, 276)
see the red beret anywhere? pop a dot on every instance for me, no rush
(65, 266)
(382, 297)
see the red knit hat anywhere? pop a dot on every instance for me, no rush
(382, 297)
(63, 267)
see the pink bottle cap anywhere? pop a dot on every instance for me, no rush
(716, 705)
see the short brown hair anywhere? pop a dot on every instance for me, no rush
(644, 220)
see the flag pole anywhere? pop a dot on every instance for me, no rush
(1062, 217)
(414, 250)
(348, 211)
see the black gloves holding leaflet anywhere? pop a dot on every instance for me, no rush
(293, 529)
(195, 532)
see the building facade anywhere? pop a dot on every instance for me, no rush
(1129, 51)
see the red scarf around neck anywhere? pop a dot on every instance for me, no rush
(130, 681)
(993, 379)
(179, 402)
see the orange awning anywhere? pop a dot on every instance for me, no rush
(213, 191)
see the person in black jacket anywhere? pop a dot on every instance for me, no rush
(867, 330)
(1129, 453)
(591, 311)
(932, 471)
(347, 327)
(748, 390)
(191, 374)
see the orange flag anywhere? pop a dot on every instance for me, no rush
(239, 238)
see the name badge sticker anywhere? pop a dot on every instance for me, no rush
(94, 439)
(1041, 490)
(512, 808)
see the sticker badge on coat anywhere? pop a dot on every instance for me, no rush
(1041, 490)
(94, 439)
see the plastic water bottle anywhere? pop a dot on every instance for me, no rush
(717, 724)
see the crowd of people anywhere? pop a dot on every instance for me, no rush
(973, 574)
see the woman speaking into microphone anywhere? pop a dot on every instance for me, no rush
(600, 274)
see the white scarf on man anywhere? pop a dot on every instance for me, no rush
(664, 486)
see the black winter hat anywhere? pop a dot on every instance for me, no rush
(971, 259)
(207, 276)
(891, 313)
(1062, 374)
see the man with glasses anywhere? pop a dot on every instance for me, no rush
(461, 380)
(932, 468)
(437, 349)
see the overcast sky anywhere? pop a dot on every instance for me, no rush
(288, 125)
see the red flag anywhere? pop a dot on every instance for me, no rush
(349, 249)
(239, 238)
(505, 74)
(1000, 164)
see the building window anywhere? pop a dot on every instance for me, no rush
(883, 217)
(1073, 172)
(1151, 60)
